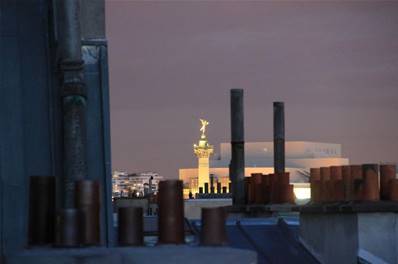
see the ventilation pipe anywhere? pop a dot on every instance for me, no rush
(237, 165)
(74, 100)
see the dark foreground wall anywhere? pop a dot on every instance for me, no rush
(30, 113)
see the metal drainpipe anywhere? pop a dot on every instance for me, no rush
(279, 137)
(73, 100)
(237, 165)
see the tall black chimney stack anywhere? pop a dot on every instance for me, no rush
(279, 137)
(237, 165)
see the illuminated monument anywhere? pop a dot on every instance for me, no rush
(259, 158)
(203, 151)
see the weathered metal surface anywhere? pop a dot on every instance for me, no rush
(348, 183)
(68, 228)
(206, 187)
(171, 212)
(87, 193)
(279, 137)
(336, 173)
(213, 232)
(237, 166)
(334, 188)
(130, 226)
(315, 174)
(356, 171)
(357, 181)
(256, 190)
(339, 191)
(371, 182)
(274, 188)
(387, 173)
(75, 165)
(70, 33)
(73, 99)
(315, 178)
(316, 191)
(283, 178)
(41, 210)
(393, 190)
(248, 190)
(211, 183)
(286, 194)
(266, 187)
(325, 186)
(325, 174)
(87, 200)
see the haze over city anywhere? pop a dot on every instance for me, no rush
(332, 63)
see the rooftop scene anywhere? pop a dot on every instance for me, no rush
(184, 132)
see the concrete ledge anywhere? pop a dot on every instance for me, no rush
(338, 237)
(350, 207)
(147, 255)
(266, 208)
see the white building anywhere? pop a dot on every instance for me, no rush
(134, 184)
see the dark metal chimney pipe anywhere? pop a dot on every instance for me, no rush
(73, 100)
(211, 183)
(213, 231)
(237, 165)
(171, 212)
(279, 137)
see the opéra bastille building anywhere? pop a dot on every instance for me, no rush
(300, 157)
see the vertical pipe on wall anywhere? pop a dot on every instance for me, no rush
(73, 100)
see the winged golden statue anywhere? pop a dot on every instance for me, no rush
(205, 123)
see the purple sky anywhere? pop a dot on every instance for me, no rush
(335, 64)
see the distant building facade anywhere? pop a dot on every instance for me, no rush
(300, 157)
(141, 184)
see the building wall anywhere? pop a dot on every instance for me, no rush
(26, 127)
(30, 111)
(124, 183)
(293, 149)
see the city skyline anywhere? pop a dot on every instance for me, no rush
(333, 64)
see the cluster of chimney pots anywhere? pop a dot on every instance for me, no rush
(271, 188)
(70, 227)
(80, 226)
(218, 189)
(367, 182)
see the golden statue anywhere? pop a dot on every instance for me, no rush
(205, 123)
